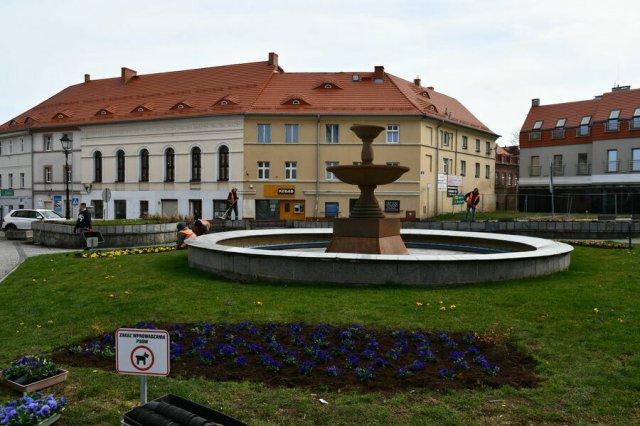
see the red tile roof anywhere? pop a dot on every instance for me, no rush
(599, 108)
(253, 88)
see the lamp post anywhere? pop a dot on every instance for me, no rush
(66, 146)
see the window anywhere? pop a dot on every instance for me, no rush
(477, 170)
(465, 142)
(264, 133)
(392, 206)
(21, 145)
(98, 209)
(263, 170)
(120, 207)
(558, 167)
(47, 174)
(120, 166)
(445, 166)
(290, 170)
(97, 166)
(535, 132)
(196, 164)
(488, 147)
(169, 165)
(332, 131)
(331, 209)
(612, 123)
(583, 164)
(144, 209)
(510, 179)
(0, 181)
(635, 121)
(393, 163)
(463, 167)
(223, 163)
(487, 171)
(446, 137)
(144, 166)
(560, 122)
(10, 146)
(393, 133)
(328, 175)
(537, 125)
(583, 130)
(612, 161)
(10, 180)
(291, 133)
(21, 180)
(477, 145)
(635, 160)
(535, 166)
(0, 147)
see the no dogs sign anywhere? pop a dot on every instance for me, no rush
(143, 352)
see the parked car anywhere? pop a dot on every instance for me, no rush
(23, 218)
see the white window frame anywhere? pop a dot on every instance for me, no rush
(477, 145)
(332, 133)
(290, 170)
(463, 167)
(48, 172)
(612, 161)
(263, 170)
(446, 137)
(21, 180)
(487, 171)
(635, 160)
(537, 125)
(393, 133)
(291, 133)
(465, 142)
(10, 180)
(328, 175)
(477, 170)
(264, 133)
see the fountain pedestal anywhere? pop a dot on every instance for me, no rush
(368, 236)
(366, 230)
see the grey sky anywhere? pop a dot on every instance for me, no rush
(492, 55)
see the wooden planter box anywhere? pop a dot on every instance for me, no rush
(61, 376)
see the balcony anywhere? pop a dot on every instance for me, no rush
(634, 166)
(558, 169)
(612, 126)
(612, 167)
(583, 131)
(557, 134)
(535, 171)
(634, 123)
(534, 135)
(583, 169)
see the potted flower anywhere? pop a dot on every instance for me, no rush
(32, 409)
(32, 373)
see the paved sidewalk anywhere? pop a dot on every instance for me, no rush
(14, 252)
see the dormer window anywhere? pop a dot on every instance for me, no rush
(13, 123)
(103, 112)
(181, 105)
(295, 102)
(561, 122)
(227, 100)
(141, 108)
(635, 121)
(223, 103)
(558, 132)
(60, 115)
(583, 130)
(535, 133)
(425, 94)
(327, 85)
(613, 123)
(537, 125)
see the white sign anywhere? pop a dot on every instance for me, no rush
(454, 180)
(142, 352)
(442, 183)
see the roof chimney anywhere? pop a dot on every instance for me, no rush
(378, 74)
(87, 78)
(416, 81)
(619, 88)
(535, 102)
(126, 75)
(273, 59)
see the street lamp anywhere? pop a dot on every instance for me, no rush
(66, 145)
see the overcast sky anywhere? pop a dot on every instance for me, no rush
(492, 55)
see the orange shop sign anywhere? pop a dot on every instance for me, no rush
(279, 191)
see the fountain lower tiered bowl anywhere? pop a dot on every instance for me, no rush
(370, 174)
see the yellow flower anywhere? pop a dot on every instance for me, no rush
(126, 292)
(50, 322)
(443, 308)
(596, 310)
(620, 320)
(39, 326)
(441, 302)
(452, 307)
(418, 304)
(259, 303)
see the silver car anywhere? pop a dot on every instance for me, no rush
(23, 218)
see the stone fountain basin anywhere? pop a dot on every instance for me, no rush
(368, 174)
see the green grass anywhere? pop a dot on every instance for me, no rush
(588, 361)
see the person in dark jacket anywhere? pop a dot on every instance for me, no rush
(472, 199)
(84, 219)
(184, 233)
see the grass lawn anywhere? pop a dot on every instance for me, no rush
(581, 325)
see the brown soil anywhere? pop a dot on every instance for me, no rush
(516, 368)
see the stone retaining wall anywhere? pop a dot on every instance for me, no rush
(57, 235)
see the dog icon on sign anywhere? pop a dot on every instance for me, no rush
(142, 359)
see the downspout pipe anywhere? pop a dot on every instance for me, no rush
(435, 213)
(315, 209)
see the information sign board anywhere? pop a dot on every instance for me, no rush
(142, 352)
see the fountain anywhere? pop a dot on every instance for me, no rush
(367, 230)
(369, 248)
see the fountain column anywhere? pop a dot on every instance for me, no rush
(367, 230)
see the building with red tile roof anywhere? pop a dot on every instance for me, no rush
(590, 150)
(176, 142)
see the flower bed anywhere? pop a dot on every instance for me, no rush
(341, 357)
(32, 409)
(32, 373)
(597, 244)
(125, 252)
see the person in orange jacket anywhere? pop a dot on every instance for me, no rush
(201, 227)
(184, 233)
(472, 199)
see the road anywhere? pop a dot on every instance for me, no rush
(14, 252)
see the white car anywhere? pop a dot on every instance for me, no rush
(23, 218)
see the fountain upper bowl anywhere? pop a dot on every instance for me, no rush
(368, 174)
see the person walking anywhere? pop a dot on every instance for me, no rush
(84, 219)
(184, 233)
(232, 203)
(472, 199)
